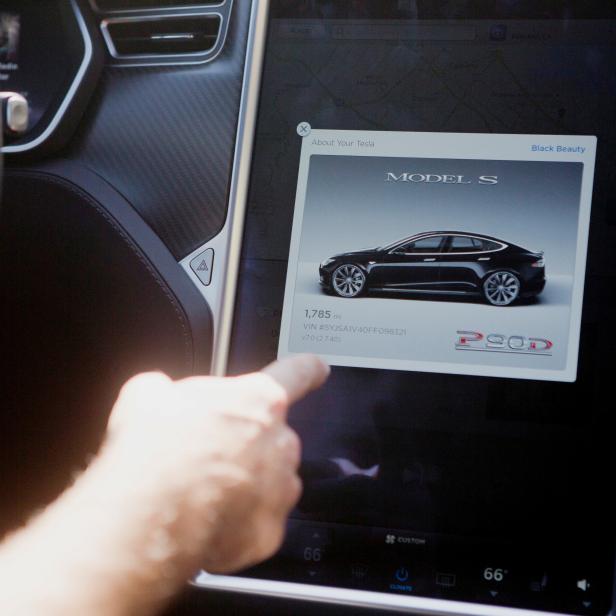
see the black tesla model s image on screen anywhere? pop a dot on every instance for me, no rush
(439, 263)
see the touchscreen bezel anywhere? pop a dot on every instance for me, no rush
(221, 294)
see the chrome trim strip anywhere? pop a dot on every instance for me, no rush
(429, 234)
(239, 195)
(70, 95)
(161, 9)
(220, 294)
(359, 598)
(202, 57)
(422, 291)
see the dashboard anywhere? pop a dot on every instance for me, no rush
(50, 66)
(417, 191)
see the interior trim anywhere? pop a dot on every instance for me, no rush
(162, 9)
(192, 311)
(202, 57)
(239, 194)
(70, 95)
(359, 598)
(224, 274)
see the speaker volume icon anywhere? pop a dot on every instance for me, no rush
(583, 585)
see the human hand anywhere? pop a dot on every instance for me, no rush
(195, 473)
(210, 463)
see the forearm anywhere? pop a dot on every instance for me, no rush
(110, 546)
(199, 472)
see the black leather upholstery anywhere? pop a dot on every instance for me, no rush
(89, 297)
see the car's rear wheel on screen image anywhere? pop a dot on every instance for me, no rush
(501, 288)
(348, 280)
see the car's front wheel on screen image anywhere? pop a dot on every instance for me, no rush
(348, 280)
(501, 288)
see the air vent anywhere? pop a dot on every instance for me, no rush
(163, 36)
(140, 5)
(163, 32)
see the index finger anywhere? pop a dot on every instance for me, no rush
(298, 375)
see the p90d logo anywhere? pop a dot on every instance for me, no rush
(500, 343)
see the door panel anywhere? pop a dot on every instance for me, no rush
(408, 271)
(462, 264)
(414, 266)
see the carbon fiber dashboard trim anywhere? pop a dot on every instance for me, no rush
(165, 138)
(226, 259)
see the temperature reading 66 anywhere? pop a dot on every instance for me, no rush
(312, 555)
(494, 575)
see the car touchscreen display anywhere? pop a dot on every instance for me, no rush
(9, 40)
(431, 210)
